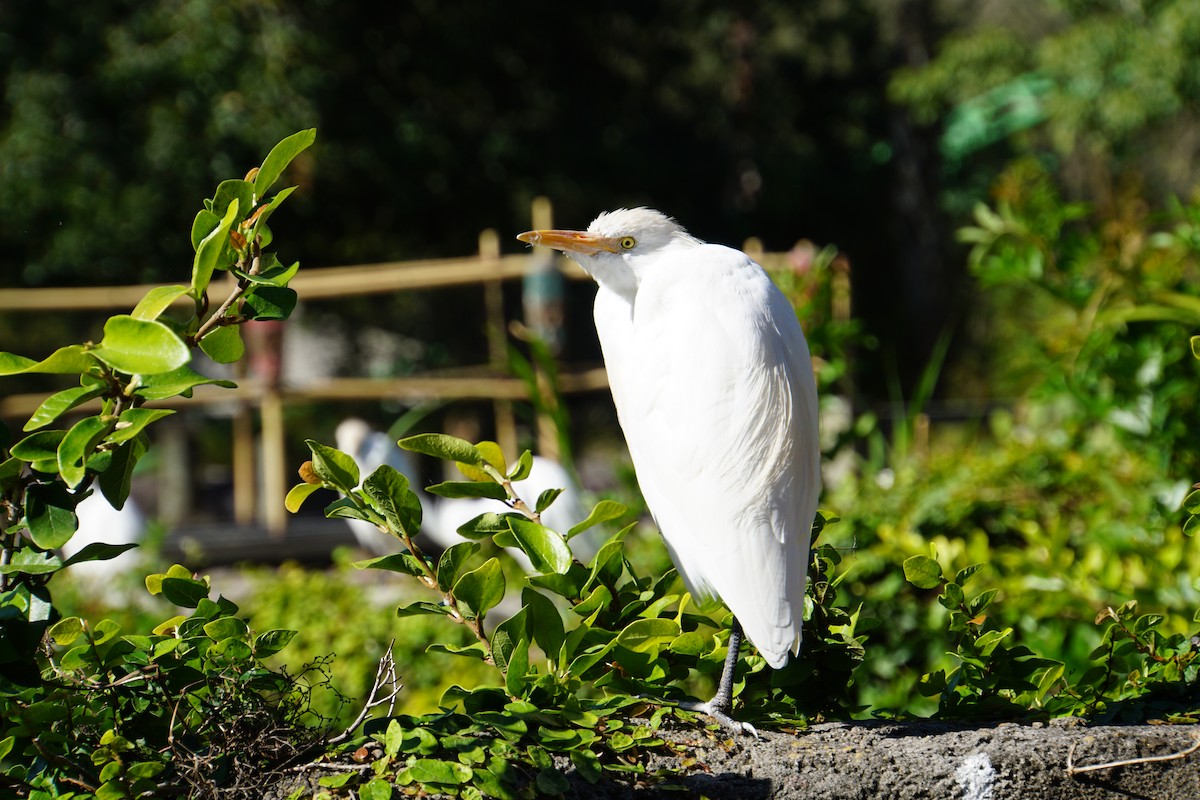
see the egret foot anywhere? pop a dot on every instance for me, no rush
(721, 705)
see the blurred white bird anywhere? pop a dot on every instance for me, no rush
(442, 516)
(99, 522)
(371, 449)
(714, 390)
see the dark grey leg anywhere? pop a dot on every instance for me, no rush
(722, 702)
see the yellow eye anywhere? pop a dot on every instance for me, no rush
(628, 243)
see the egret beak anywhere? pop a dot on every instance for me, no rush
(582, 242)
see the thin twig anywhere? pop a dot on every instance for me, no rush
(1074, 770)
(330, 765)
(387, 664)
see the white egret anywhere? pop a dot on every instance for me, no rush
(714, 390)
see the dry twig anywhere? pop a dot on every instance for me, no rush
(1074, 770)
(385, 676)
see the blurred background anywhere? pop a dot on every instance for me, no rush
(984, 212)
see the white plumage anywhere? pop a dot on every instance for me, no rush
(714, 390)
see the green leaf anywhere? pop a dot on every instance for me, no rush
(545, 499)
(99, 551)
(587, 764)
(965, 573)
(280, 156)
(298, 494)
(134, 420)
(1191, 503)
(156, 301)
(507, 636)
(430, 770)
(223, 344)
(31, 561)
(78, 444)
(117, 480)
(389, 493)
(476, 650)
(203, 224)
(375, 789)
(69, 360)
(272, 302)
(692, 643)
(604, 511)
(522, 468)
(225, 628)
(649, 635)
(440, 445)
(922, 572)
(1195, 340)
(333, 466)
(543, 621)
(452, 560)
(140, 347)
(546, 549)
(230, 191)
(405, 563)
(66, 631)
(422, 607)
(177, 382)
(271, 642)
(482, 588)
(50, 515)
(184, 592)
(486, 524)
(455, 489)
(209, 251)
(551, 781)
(40, 446)
(263, 214)
(59, 403)
(518, 668)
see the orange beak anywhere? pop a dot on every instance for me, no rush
(582, 242)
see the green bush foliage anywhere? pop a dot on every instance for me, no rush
(87, 708)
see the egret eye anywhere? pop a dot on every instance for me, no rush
(628, 243)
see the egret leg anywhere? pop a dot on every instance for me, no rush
(720, 706)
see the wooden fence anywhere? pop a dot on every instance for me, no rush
(487, 268)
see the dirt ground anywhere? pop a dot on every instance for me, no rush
(922, 759)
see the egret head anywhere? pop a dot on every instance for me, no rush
(618, 245)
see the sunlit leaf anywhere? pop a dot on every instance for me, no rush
(72, 359)
(648, 635)
(389, 493)
(156, 301)
(440, 445)
(452, 560)
(455, 489)
(139, 346)
(272, 302)
(78, 444)
(603, 511)
(208, 252)
(134, 420)
(177, 382)
(482, 588)
(546, 549)
(922, 572)
(59, 403)
(333, 466)
(50, 515)
(280, 156)
(224, 344)
(298, 494)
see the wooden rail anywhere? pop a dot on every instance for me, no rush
(488, 269)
